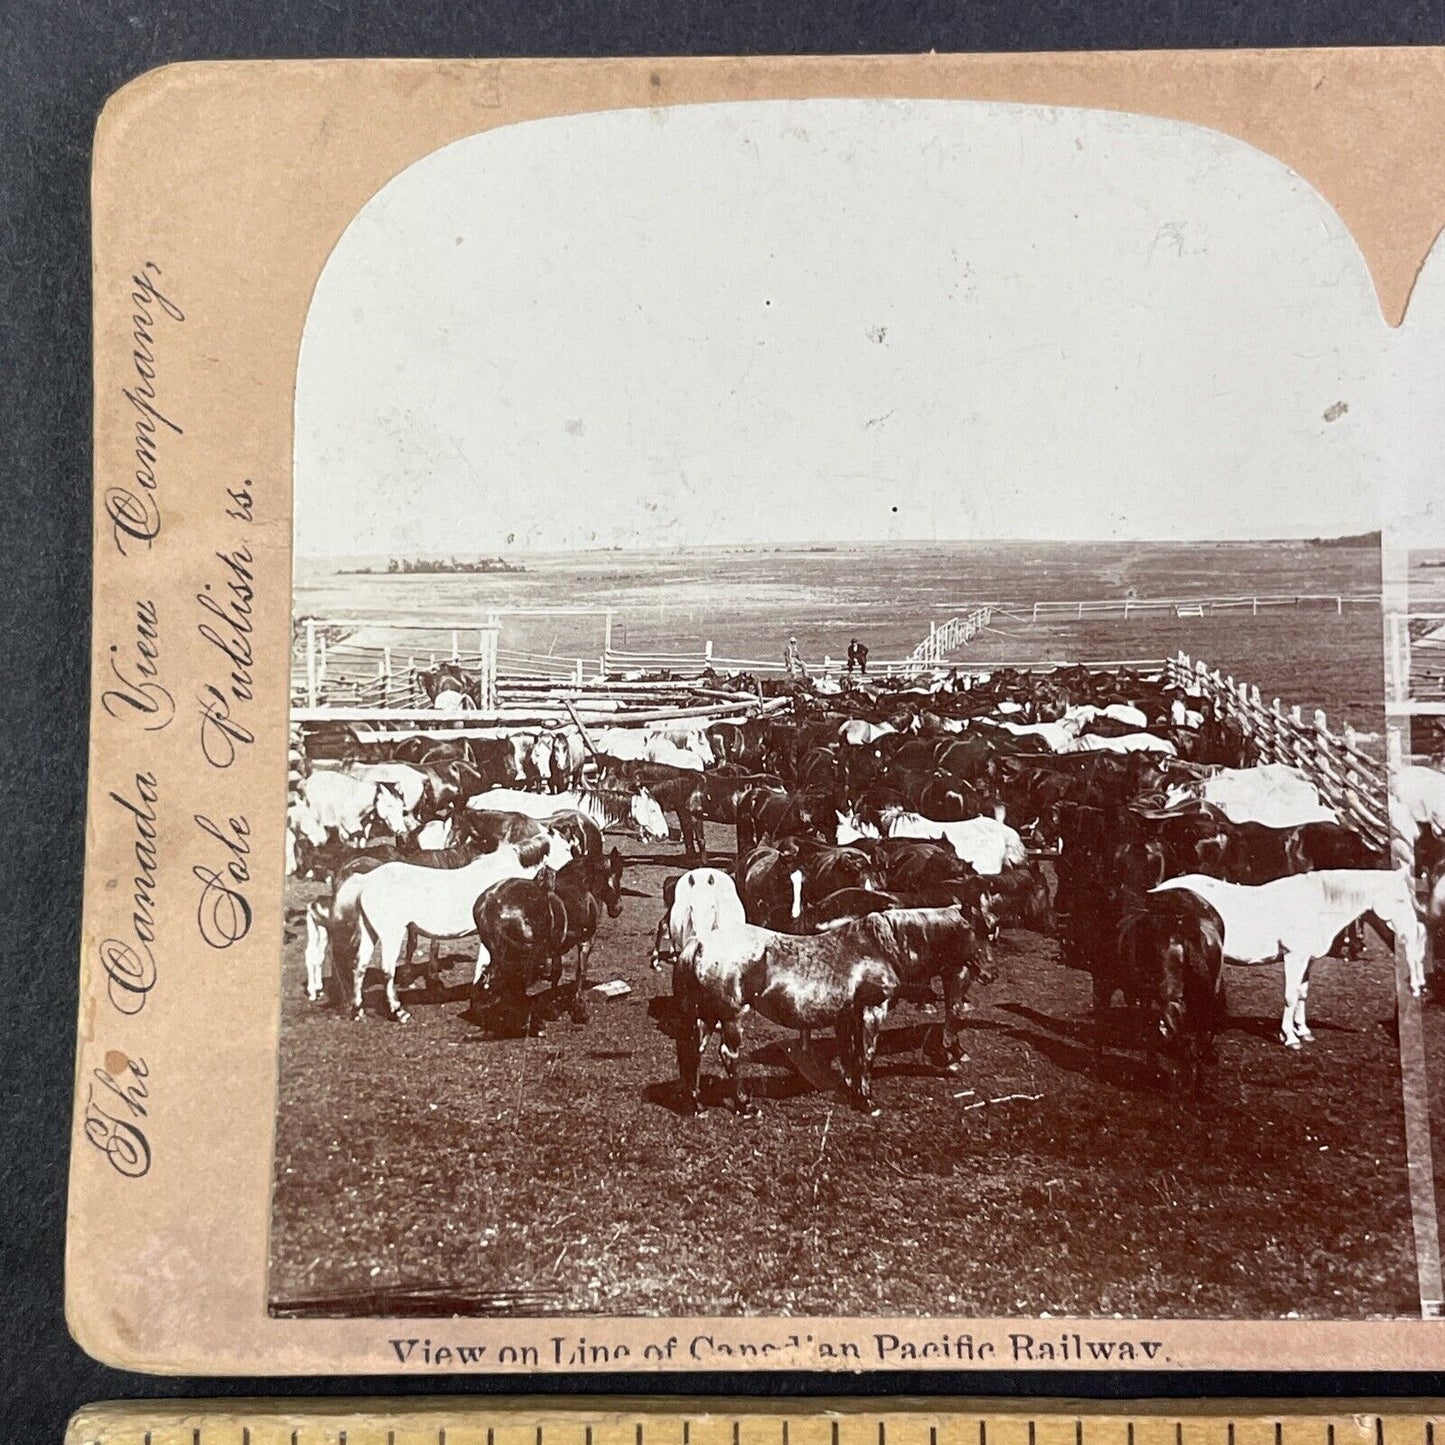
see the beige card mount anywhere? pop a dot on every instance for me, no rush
(696, 453)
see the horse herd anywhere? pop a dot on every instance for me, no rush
(885, 834)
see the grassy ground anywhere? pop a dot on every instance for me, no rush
(559, 1168)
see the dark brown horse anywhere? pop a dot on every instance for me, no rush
(776, 880)
(527, 925)
(764, 813)
(1172, 951)
(701, 798)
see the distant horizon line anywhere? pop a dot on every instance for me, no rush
(1363, 539)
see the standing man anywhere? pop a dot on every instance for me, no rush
(852, 655)
(792, 662)
(862, 658)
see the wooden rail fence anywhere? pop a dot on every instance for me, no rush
(948, 637)
(1126, 607)
(1350, 779)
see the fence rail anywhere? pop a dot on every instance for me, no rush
(949, 637)
(1350, 779)
(1125, 607)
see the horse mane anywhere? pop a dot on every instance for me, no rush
(929, 926)
(613, 804)
(532, 851)
(1368, 893)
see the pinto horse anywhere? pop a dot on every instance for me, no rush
(846, 977)
(842, 979)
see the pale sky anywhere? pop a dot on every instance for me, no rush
(849, 320)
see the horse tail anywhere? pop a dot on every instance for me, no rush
(348, 927)
(558, 917)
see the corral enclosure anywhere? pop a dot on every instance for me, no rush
(556, 1175)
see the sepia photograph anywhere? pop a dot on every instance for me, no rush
(839, 759)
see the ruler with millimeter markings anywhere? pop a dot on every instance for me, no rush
(663, 1421)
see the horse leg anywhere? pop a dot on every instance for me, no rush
(664, 932)
(1301, 1024)
(699, 836)
(391, 951)
(869, 1023)
(731, 1047)
(365, 941)
(692, 1037)
(577, 1008)
(1103, 996)
(481, 979)
(847, 1032)
(955, 1010)
(317, 937)
(1295, 969)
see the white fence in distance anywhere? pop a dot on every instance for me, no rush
(1127, 607)
(948, 637)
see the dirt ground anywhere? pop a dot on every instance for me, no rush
(556, 1174)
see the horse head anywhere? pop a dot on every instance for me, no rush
(612, 885)
(389, 808)
(647, 814)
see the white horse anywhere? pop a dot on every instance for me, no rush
(331, 805)
(608, 808)
(644, 745)
(411, 782)
(987, 845)
(1297, 918)
(858, 732)
(377, 909)
(432, 837)
(704, 899)
(1056, 736)
(1418, 793)
(1274, 794)
(1121, 712)
(452, 701)
(1126, 743)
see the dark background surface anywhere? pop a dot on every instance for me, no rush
(61, 59)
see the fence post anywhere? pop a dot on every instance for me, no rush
(310, 662)
(1329, 764)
